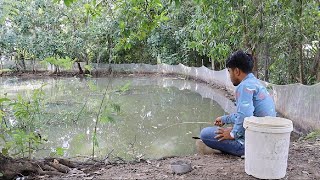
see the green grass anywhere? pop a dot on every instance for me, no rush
(313, 135)
(5, 70)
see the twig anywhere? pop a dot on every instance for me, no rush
(80, 112)
(98, 115)
(165, 157)
(132, 145)
(121, 159)
(107, 156)
(39, 166)
(96, 124)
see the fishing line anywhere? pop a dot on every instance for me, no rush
(182, 123)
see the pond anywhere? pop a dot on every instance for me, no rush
(158, 115)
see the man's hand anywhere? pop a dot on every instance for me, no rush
(218, 121)
(223, 134)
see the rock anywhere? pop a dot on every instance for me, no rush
(181, 166)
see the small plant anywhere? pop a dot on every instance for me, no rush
(105, 113)
(313, 135)
(21, 136)
(88, 67)
(59, 151)
(2, 101)
(5, 70)
(58, 62)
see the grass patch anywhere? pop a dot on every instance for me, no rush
(313, 135)
(5, 70)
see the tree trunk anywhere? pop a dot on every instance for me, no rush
(255, 64)
(245, 27)
(266, 62)
(212, 64)
(246, 41)
(301, 65)
(99, 56)
(260, 37)
(318, 74)
(110, 49)
(1, 65)
(23, 62)
(15, 58)
(291, 69)
(316, 66)
(33, 67)
(79, 67)
(86, 71)
(244, 23)
(55, 69)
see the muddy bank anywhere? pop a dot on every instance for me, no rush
(303, 163)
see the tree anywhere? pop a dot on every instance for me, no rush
(281, 35)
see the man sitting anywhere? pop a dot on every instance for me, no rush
(252, 99)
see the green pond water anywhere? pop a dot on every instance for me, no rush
(158, 115)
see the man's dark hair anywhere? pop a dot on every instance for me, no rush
(240, 60)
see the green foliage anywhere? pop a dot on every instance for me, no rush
(210, 27)
(60, 151)
(68, 2)
(88, 68)
(92, 86)
(105, 114)
(3, 128)
(30, 114)
(137, 20)
(23, 137)
(5, 70)
(192, 32)
(177, 2)
(93, 9)
(125, 87)
(3, 100)
(313, 135)
(65, 63)
(95, 140)
(1, 114)
(27, 111)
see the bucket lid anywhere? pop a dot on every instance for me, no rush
(268, 124)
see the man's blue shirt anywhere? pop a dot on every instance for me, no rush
(252, 99)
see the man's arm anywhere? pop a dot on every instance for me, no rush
(229, 119)
(245, 108)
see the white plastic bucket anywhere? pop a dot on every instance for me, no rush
(267, 142)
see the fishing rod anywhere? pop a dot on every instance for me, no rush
(182, 123)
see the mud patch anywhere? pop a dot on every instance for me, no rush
(303, 163)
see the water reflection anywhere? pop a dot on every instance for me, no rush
(158, 115)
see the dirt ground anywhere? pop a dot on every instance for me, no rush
(303, 163)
